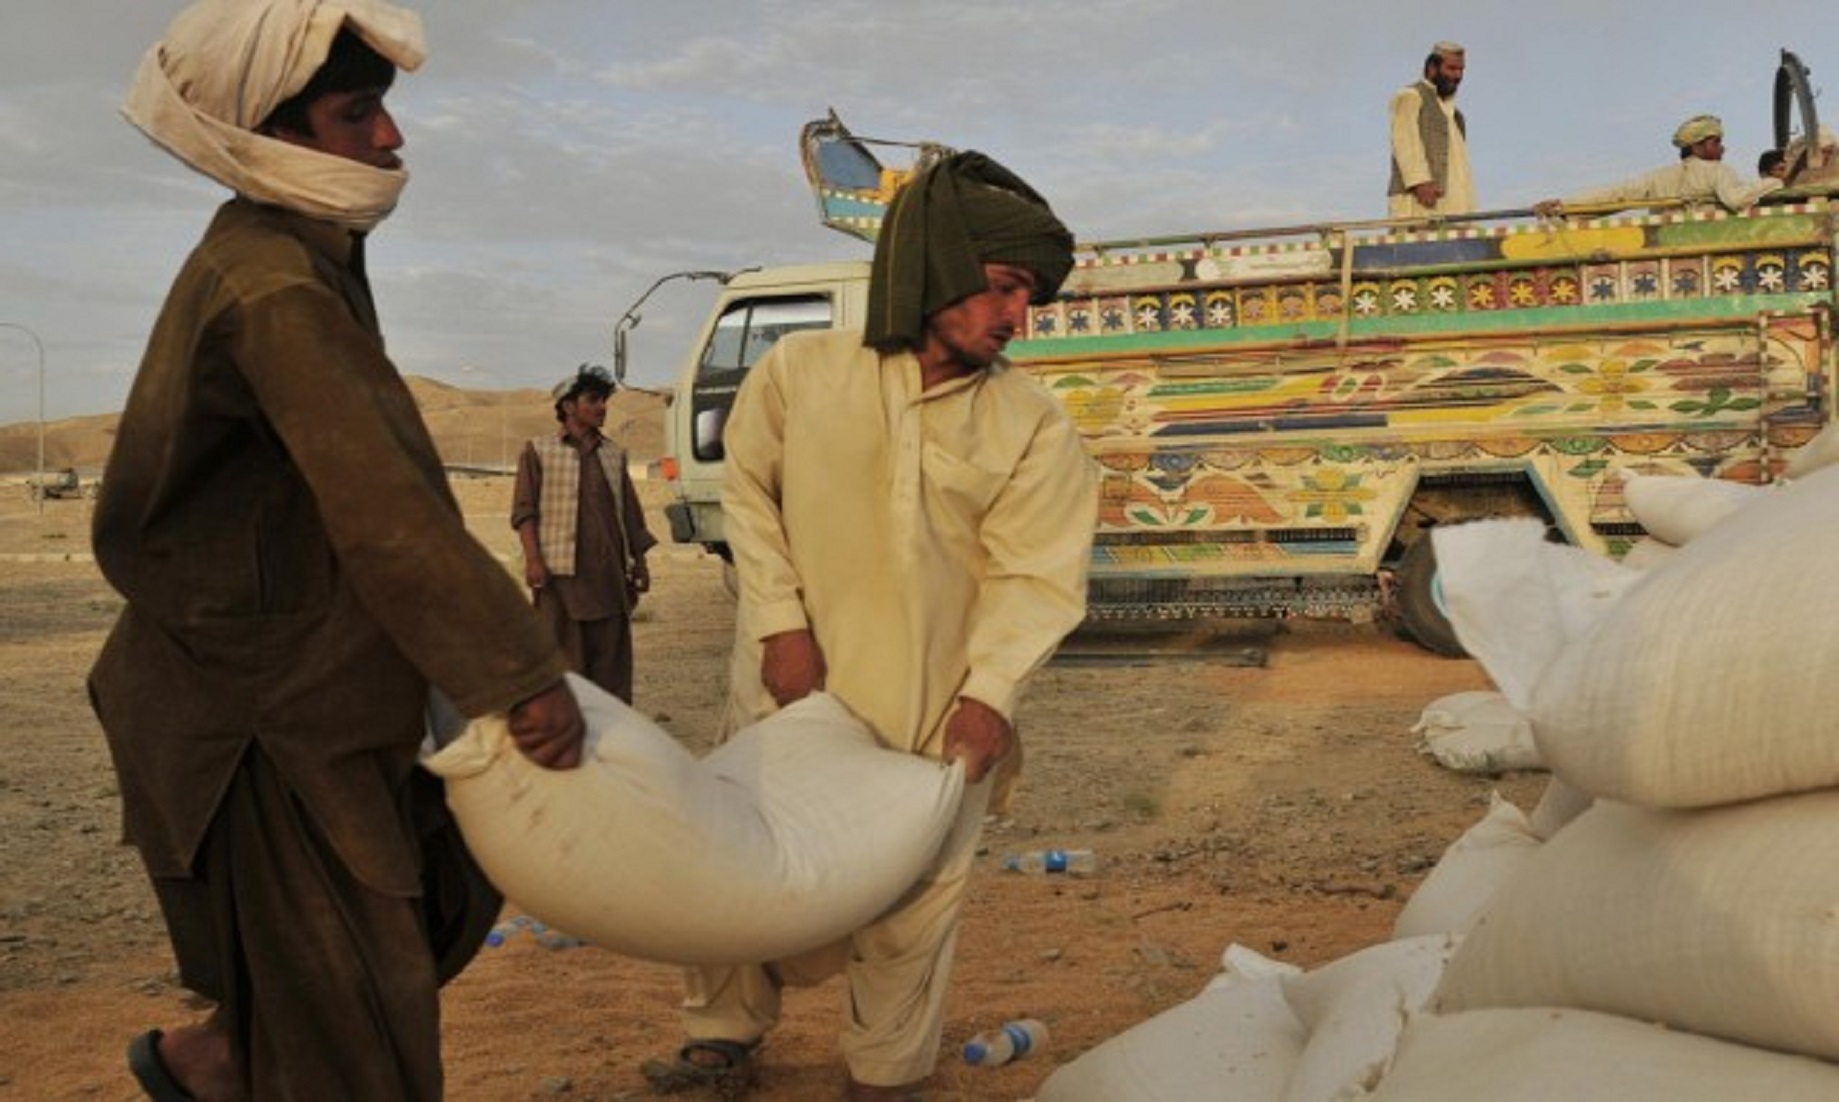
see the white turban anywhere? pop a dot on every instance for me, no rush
(1696, 129)
(225, 65)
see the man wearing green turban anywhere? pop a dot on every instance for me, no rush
(1700, 179)
(939, 232)
(911, 519)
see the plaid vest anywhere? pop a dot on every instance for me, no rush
(559, 501)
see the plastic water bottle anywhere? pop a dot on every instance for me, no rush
(1056, 862)
(996, 1047)
(506, 930)
(554, 939)
(543, 935)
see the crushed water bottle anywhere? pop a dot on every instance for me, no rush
(1057, 862)
(996, 1047)
(506, 930)
(543, 935)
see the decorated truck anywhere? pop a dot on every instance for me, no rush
(1280, 414)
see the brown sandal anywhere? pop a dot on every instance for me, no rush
(725, 1067)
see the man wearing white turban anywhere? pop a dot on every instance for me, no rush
(1700, 179)
(1430, 150)
(296, 576)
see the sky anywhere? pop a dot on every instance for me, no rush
(566, 154)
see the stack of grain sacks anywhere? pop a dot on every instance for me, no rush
(1669, 926)
(1665, 924)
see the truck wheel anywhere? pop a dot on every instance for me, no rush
(1420, 601)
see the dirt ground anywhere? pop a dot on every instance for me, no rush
(1282, 806)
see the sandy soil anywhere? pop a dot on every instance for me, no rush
(1282, 806)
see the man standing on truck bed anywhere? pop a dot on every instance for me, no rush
(1430, 151)
(583, 533)
(911, 520)
(296, 573)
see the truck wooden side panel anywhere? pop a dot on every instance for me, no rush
(1274, 410)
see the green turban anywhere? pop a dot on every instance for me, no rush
(953, 217)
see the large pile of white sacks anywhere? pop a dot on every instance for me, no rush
(1665, 923)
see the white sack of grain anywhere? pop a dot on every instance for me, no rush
(1722, 921)
(1558, 805)
(1237, 1039)
(787, 837)
(1477, 731)
(1677, 508)
(1543, 1054)
(1711, 679)
(1352, 1010)
(1452, 898)
(1516, 601)
(1646, 554)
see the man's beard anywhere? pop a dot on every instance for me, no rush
(1445, 86)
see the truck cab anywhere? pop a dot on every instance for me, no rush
(754, 310)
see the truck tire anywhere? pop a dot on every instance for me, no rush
(1795, 112)
(1420, 602)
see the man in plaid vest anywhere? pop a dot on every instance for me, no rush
(583, 533)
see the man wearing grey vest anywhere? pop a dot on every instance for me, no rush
(583, 533)
(1430, 153)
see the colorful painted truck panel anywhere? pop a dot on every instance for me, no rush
(1290, 411)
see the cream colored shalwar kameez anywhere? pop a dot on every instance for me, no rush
(937, 544)
(1700, 184)
(1414, 161)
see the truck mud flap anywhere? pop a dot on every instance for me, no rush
(682, 526)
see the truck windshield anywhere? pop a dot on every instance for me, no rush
(748, 328)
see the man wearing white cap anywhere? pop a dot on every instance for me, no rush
(296, 574)
(1430, 151)
(1699, 179)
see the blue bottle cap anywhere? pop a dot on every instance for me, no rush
(1055, 860)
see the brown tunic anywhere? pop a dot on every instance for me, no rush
(295, 567)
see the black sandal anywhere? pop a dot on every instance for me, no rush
(151, 1072)
(725, 1067)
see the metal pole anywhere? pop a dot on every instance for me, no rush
(39, 474)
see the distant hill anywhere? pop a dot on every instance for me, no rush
(473, 427)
